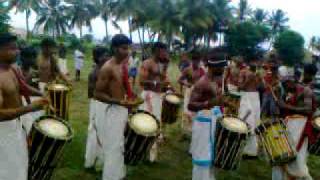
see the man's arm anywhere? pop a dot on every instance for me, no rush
(102, 84)
(195, 103)
(307, 105)
(12, 113)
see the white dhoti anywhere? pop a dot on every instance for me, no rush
(111, 123)
(188, 115)
(202, 144)
(152, 104)
(232, 88)
(42, 86)
(250, 101)
(28, 119)
(297, 168)
(13, 151)
(93, 154)
(63, 66)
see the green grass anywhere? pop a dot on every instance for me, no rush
(174, 164)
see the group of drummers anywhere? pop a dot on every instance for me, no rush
(231, 109)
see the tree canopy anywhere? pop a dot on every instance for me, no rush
(290, 47)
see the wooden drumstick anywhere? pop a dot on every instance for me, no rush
(273, 94)
(246, 115)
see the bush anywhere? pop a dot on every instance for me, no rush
(290, 47)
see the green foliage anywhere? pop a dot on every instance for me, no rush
(290, 47)
(245, 39)
(52, 16)
(4, 18)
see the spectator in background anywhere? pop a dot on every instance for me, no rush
(133, 67)
(62, 61)
(28, 58)
(78, 61)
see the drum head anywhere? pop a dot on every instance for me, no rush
(58, 87)
(235, 125)
(54, 128)
(316, 123)
(172, 98)
(144, 124)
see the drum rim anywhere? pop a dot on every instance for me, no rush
(315, 125)
(267, 124)
(144, 112)
(234, 95)
(175, 94)
(51, 87)
(66, 138)
(220, 119)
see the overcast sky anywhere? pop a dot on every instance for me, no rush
(304, 17)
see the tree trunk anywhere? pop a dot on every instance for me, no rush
(106, 26)
(80, 30)
(27, 23)
(130, 27)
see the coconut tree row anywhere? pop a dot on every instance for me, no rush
(189, 20)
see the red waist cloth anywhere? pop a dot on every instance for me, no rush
(126, 82)
(23, 86)
(309, 133)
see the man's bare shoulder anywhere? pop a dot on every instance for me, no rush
(202, 82)
(147, 62)
(107, 67)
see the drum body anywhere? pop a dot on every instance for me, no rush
(276, 142)
(140, 134)
(170, 108)
(231, 136)
(59, 99)
(315, 148)
(48, 138)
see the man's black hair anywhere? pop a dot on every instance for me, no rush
(310, 69)
(6, 38)
(158, 45)
(120, 39)
(28, 56)
(195, 54)
(48, 42)
(99, 51)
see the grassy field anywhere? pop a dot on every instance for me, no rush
(174, 164)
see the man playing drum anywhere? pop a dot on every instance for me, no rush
(232, 75)
(153, 77)
(112, 109)
(93, 148)
(48, 64)
(13, 146)
(300, 100)
(207, 93)
(250, 101)
(189, 76)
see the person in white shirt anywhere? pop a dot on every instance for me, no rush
(78, 61)
(133, 67)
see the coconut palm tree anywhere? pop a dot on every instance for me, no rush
(52, 17)
(223, 17)
(278, 21)
(25, 6)
(4, 18)
(81, 13)
(244, 10)
(105, 7)
(259, 16)
(196, 19)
